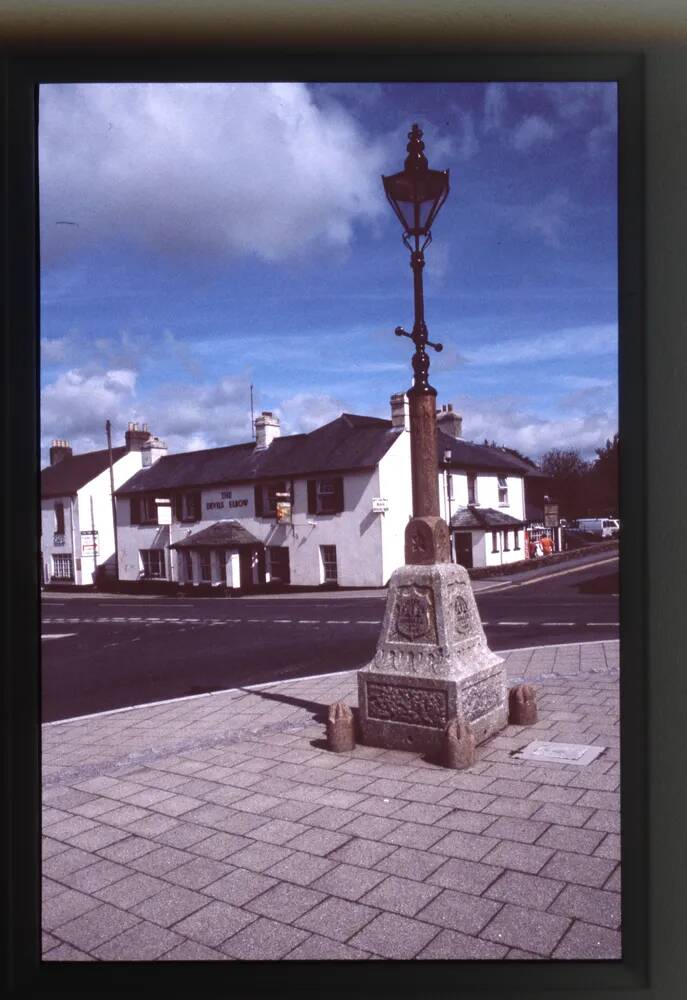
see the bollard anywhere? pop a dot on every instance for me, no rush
(522, 705)
(340, 732)
(459, 745)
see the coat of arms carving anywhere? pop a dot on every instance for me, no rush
(414, 614)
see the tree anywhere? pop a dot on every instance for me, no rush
(604, 476)
(563, 464)
(568, 473)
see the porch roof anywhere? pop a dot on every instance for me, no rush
(483, 519)
(218, 535)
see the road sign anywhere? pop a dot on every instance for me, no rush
(379, 505)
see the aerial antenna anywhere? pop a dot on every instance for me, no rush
(252, 421)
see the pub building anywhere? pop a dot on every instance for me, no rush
(324, 508)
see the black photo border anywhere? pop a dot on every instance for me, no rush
(23, 73)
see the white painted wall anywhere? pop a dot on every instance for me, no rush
(369, 545)
(395, 485)
(71, 535)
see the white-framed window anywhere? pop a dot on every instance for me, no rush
(59, 517)
(494, 541)
(516, 539)
(148, 509)
(503, 491)
(187, 506)
(206, 565)
(326, 496)
(472, 488)
(153, 564)
(62, 568)
(329, 567)
(188, 565)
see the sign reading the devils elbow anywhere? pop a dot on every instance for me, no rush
(225, 503)
(379, 505)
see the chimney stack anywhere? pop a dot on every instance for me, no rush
(266, 430)
(135, 436)
(400, 411)
(59, 449)
(449, 421)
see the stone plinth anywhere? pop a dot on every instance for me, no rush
(432, 665)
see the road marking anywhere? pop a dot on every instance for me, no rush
(512, 623)
(287, 680)
(61, 635)
(283, 621)
(562, 572)
(603, 624)
(338, 621)
(308, 621)
(556, 623)
(372, 621)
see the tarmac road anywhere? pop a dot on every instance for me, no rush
(101, 652)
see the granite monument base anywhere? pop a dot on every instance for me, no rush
(432, 665)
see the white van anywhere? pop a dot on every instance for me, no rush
(605, 527)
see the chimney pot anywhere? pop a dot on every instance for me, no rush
(266, 430)
(400, 411)
(450, 422)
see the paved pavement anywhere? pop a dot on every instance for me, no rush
(219, 827)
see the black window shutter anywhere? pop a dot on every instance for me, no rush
(258, 501)
(135, 507)
(178, 507)
(312, 496)
(338, 494)
(196, 506)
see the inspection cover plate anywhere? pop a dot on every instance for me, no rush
(559, 753)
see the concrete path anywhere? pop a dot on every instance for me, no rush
(218, 827)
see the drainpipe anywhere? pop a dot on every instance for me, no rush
(108, 429)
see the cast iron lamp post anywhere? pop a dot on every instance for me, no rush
(416, 194)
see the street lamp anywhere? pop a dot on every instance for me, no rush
(416, 195)
(432, 668)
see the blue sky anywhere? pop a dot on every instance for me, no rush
(200, 238)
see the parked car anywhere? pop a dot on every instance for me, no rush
(604, 527)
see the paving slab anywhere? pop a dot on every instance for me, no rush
(218, 828)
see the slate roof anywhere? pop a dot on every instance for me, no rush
(71, 473)
(218, 534)
(347, 443)
(466, 455)
(482, 519)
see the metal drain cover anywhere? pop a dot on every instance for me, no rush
(559, 753)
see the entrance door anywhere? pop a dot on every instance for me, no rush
(464, 548)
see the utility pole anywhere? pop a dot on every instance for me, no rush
(108, 430)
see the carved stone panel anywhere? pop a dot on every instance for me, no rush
(400, 703)
(480, 698)
(414, 618)
(461, 611)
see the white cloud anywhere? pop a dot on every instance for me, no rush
(548, 217)
(531, 131)
(76, 406)
(507, 423)
(494, 107)
(53, 349)
(305, 412)
(576, 342)
(250, 168)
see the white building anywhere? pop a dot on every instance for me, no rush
(77, 531)
(328, 507)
